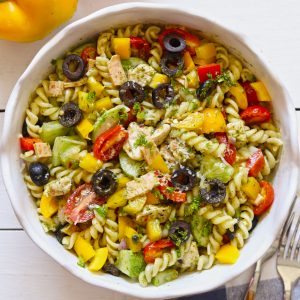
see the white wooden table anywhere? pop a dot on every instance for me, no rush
(26, 272)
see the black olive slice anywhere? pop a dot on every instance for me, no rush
(214, 193)
(104, 183)
(69, 114)
(73, 67)
(174, 43)
(163, 95)
(184, 178)
(131, 92)
(25, 130)
(254, 223)
(179, 232)
(172, 64)
(206, 88)
(111, 269)
(39, 173)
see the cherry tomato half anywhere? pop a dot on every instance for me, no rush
(268, 193)
(154, 250)
(26, 144)
(255, 114)
(109, 144)
(230, 151)
(140, 46)
(255, 163)
(203, 71)
(88, 53)
(77, 207)
(250, 93)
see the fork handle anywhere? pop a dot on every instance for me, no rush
(287, 295)
(287, 290)
(251, 292)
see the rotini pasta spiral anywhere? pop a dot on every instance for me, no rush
(205, 262)
(159, 265)
(111, 232)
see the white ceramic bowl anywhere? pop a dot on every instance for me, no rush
(285, 180)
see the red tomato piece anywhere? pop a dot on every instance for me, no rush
(175, 196)
(268, 193)
(131, 117)
(255, 114)
(251, 93)
(230, 151)
(192, 41)
(77, 207)
(255, 163)
(109, 144)
(26, 144)
(213, 69)
(154, 250)
(140, 46)
(88, 53)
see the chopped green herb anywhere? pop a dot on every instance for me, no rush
(91, 96)
(141, 115)
(141, 141)
(158, 194)
(193, 206)
(179, 236)
(137, 107)
(101, 211)
(80, 262)
(170, 189)
(53, 62)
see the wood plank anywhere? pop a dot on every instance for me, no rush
(28, 273)
(7, 216)
(279, 40)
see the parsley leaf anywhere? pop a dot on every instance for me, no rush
(137, 107)
(141, 141)
(170, 189)
(91, 96)
(194, 206)
(101, 211)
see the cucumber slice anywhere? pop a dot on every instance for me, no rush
(66, 149)
(81, 47)
(51, 130)
(164, 276)
(131, 63)
(130, 167)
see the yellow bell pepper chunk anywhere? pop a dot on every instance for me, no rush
(84, 249)
(95, 86)
(240, 96)
(124, 222)
(158, 79)
(27, 20)
(251, 188)
(204, 62)
(153, 230)
(159, 164)
(84, 128)
(193, 79)
(117, 199)
(193, 122)
(188, 62)
(90, 163)
(261, 91)
(122, 181)
(99, 259)
(122, 47)
(135, 205)
(228, 254)
(206, 51)
(213, 121)
(103, 103)
(132, 240)
(48, 206)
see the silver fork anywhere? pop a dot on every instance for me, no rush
(288, 259)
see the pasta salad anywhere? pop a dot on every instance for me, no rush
(148, 152)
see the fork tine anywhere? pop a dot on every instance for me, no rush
(290, 237)
(295, 245)
(284, 234)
